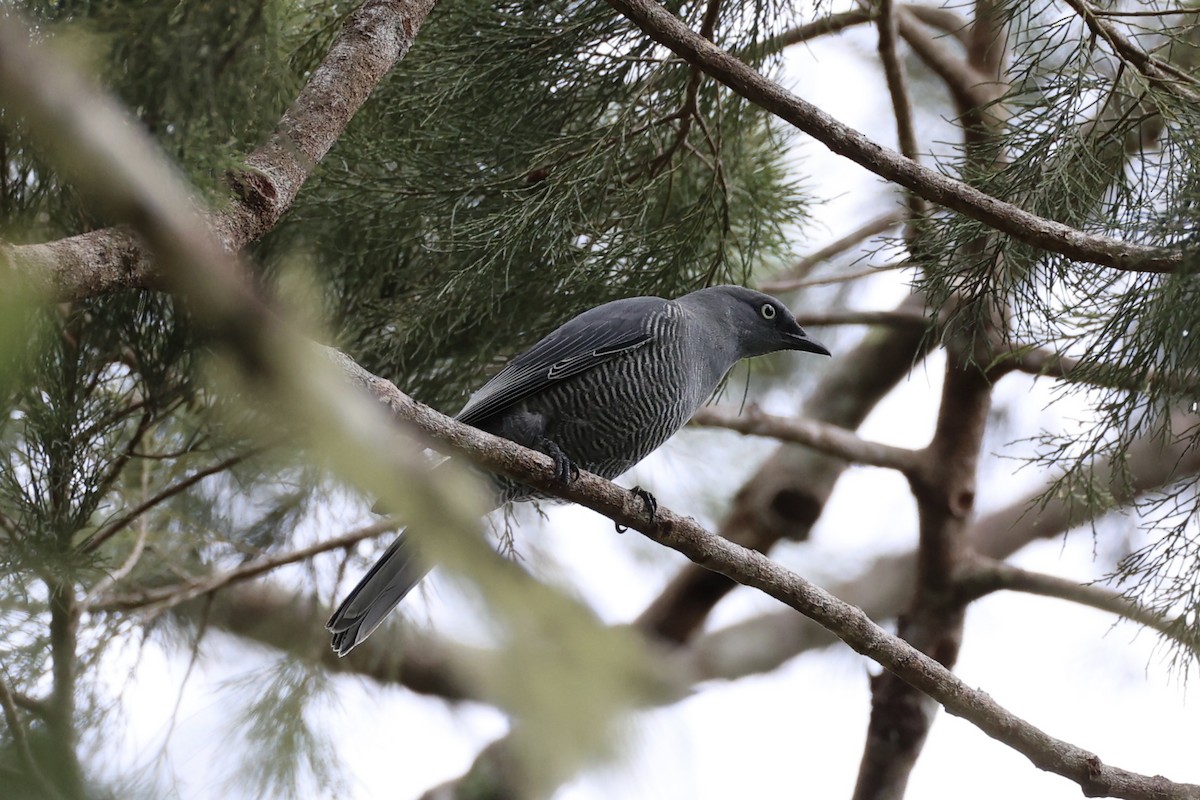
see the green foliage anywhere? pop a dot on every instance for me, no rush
(524, 162)
(283, 755)
(209, 79)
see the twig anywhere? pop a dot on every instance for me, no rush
(895, 318)
(1152, 13)
(800, 270)
(121, 572)
(1022, 225)
(1166, 76)
(165, 597)
(986, 575)
(104, 534)
(831, 23)
(897, 85)
(821, 436)
(792, 285)
(946, 20)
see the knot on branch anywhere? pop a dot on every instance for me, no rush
(254, 188)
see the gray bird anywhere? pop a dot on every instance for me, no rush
(600, 393)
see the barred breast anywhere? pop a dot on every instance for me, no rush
(614, 415)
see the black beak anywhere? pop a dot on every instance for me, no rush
(799, 340)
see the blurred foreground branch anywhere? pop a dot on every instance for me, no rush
(375, 37)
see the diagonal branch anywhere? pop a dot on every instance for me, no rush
(112, 529)
(1164, 75)
(985, 575)
(164, 597)
(829, 23)
(821, 436)
(897, 84)
(665, 28)
(753, 569)
(797, 274)
(375, 37)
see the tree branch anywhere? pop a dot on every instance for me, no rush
(104, 534)
(668, 30)
(1162, 74)
(986, 575)
(796, 275)
(828, 280)
(753, 569)
(902, 319)
(288, 621)
(897, 84)
(821, 436)
(162, 598)
(829, 23)
(375, 37)
(756, 645)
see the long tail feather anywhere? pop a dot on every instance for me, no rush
(393, 576)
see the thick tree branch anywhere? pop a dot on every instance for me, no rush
(375, 37)
(759, 644)
(943, 482)
(537, 470)
(753, 569)
(668, 30)
(289, 621)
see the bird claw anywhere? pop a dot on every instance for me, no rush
(647, 498)
(650, 500)
(565, 470)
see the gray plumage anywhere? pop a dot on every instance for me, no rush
(599, 393)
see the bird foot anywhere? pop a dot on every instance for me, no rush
(565, 469)
(647, 498)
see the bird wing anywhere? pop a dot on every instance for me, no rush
(595, 336)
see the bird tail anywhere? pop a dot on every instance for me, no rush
(393, 576)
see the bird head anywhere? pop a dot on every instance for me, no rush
(762, 324)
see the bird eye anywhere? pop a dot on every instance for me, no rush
(768, 311)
